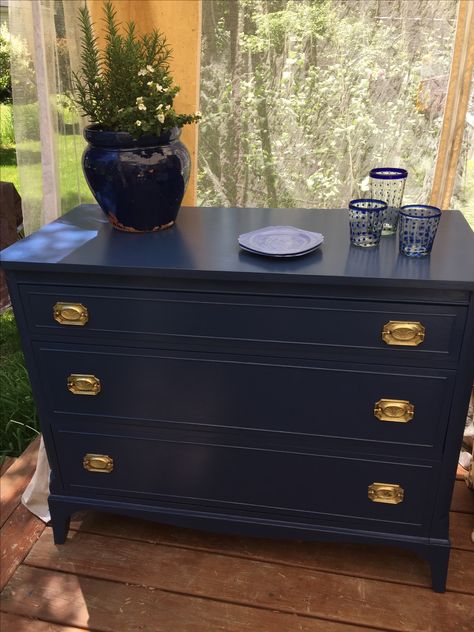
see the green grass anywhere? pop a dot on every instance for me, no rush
(72, 184)
(69, 147)
(8, 167)
(7, 133)
(18, 417)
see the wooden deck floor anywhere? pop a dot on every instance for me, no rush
(121, 575)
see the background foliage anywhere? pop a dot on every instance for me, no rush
(5, 76)
(301, 98)
(18, 418)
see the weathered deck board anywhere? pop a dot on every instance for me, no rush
(19, 528)
(15, 480)
(463, 498)
(460, 529)
(15, 623)
(257, 583)
(6, 463)
(372, 562)
(18, 535)
(115, 607)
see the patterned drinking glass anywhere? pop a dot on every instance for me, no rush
(388, 184)
(365, 221)
(418, 226)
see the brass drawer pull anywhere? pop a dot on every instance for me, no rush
(409, 334)
(388, 493)
(399, 410)
(98, 463)
(83, 384)
(70, 314)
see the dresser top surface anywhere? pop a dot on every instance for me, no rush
(204, 244)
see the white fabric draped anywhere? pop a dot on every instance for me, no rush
(35, 496)
(48, 132)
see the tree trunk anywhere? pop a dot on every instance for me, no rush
(233, 168)
(263, 125)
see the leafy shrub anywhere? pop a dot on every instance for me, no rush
(5, 74)
(68, 116)
(18, 417)
(7, 134)
(16, 49)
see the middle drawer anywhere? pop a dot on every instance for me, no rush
(400, 411)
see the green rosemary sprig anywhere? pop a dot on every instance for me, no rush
(127, 86)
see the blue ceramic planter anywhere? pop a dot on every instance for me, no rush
(139, 184)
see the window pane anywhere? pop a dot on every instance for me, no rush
(301, 98)
(463, 195)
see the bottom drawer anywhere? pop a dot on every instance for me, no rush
(138, 463)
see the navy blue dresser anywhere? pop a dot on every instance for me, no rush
(180, 379)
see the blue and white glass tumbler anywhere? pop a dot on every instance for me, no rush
(388, 184)
(418, 226)
(365, 221)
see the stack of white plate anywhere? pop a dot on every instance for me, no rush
(280, 241)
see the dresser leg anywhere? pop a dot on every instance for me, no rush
(60, 521)
(439, 561)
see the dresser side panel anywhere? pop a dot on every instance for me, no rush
(455, 429)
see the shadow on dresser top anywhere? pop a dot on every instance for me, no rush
(203, 244)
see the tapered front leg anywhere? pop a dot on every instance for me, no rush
(60, 521)
(439, 562)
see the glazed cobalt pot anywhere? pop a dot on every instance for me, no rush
(139, 184)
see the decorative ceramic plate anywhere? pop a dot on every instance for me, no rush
(280, 241)
(295, 254)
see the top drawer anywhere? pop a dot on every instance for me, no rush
(408, 333)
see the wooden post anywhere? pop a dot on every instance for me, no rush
(180, 21)
(456, 107)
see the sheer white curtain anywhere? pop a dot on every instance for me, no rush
(48, 132)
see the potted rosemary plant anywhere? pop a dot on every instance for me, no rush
(135, 164)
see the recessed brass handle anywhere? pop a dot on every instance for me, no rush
(80, 384)
(389, 493)
(98, 463)
(71, 314)
(398, 410)
(403, 333)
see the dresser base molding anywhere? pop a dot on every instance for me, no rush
(434, 551)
